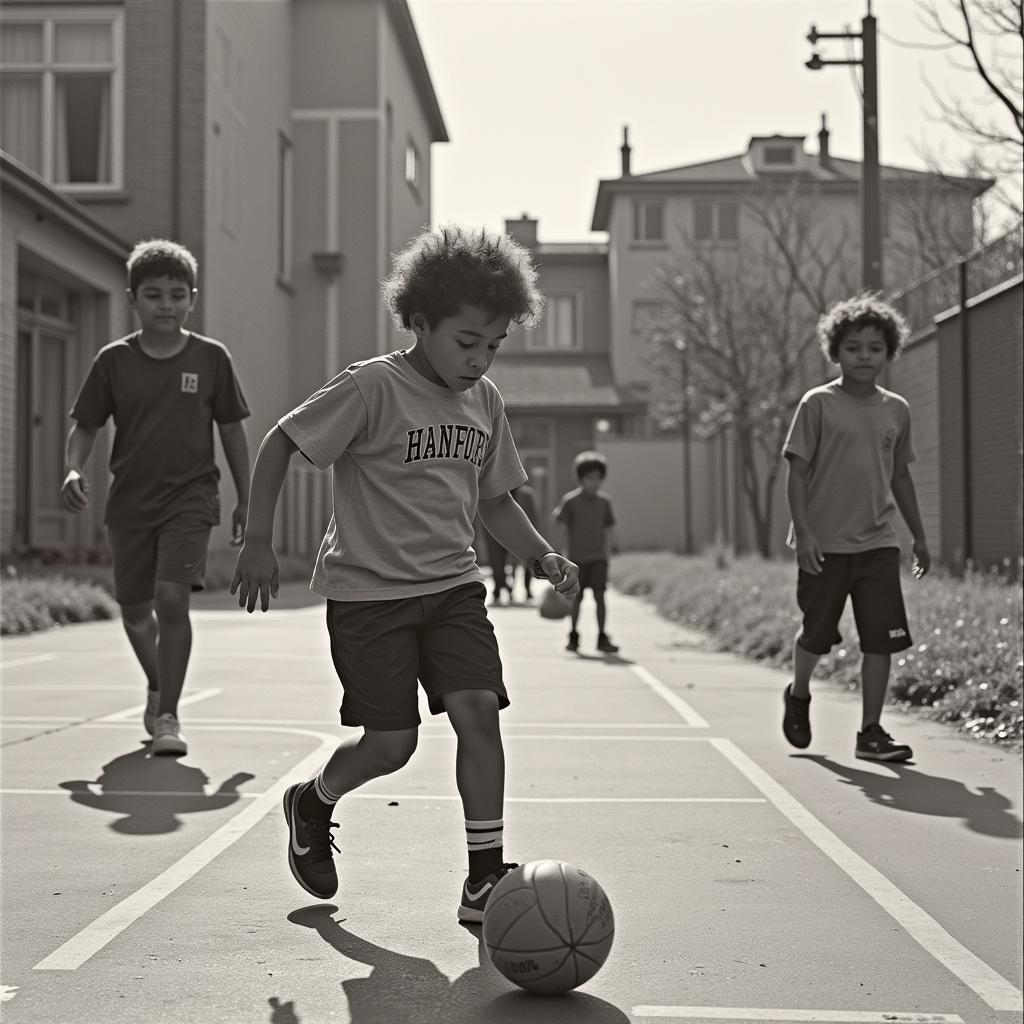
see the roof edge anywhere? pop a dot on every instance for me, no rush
(45, 198)
(408, 37)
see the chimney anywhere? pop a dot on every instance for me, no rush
(625, 151)
(523, 230)
(824, 157)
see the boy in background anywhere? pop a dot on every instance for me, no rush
(588, 536)
(165, 387)
(418, 444)
(849, 451)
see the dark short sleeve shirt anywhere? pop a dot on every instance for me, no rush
(163, 462)
(587, 518)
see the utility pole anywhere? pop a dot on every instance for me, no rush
(870, 175)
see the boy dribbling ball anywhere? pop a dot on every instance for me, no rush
(849, 451)
(418, 443)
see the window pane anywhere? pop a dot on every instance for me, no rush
(82, 129)
(563, 327)
(654, 221)
(21, 119)
(83, 43)
(21, 43)
(779, 154)
(728, 222)
(531, 433)
(702, 226)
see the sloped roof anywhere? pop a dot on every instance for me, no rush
(409, 40)
(559, 382)
(738, 170)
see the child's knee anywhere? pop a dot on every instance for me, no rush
(473, 711)
(137, 617)
(172, 600)
(392, 750)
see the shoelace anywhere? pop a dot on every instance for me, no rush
(321, 841)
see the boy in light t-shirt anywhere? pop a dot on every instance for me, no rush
(418, 443)
(849, 451)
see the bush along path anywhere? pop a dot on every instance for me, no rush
(965, 666)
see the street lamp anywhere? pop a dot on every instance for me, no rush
(870, 175)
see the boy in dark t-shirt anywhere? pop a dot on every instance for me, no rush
(164, 388)
(589, 536)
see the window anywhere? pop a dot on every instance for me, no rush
(558, 329)
(413, 165)
(779, 156)
(60, 94)
(284, 208)
(648, 314)
(716, 222)
(648, 220)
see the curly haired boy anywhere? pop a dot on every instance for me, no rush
(418, 443)
(849, 450)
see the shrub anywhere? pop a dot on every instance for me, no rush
(965, 667)
(32, 603)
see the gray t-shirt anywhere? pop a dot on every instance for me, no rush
(587, 518)
(854, 446)
(410, 461)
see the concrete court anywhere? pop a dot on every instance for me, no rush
(750, 882)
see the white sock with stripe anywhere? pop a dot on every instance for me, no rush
(484, 840)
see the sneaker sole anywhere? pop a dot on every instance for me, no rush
(164, 748)
(291, 853)
(470, 916)
(896, 755)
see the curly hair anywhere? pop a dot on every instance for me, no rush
(446, 268)
(161, 258)
(867, 309)
(590, 462)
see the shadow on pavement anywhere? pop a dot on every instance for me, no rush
(290, 596)
(987, 811)
(412, 990)
(129, 784)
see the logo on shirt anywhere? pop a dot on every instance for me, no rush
(889, 439)
(190, 383)
(896, 634)
(446, 441)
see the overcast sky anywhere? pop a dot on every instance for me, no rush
(535, 93)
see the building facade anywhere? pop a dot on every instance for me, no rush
(286, 144)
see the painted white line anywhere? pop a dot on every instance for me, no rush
(987, 983)
(674, 701)
(830, 1016)
(138, 709)
(7, 992)
(77, 687)
(93, 791)
(32, 660)
(79, 948)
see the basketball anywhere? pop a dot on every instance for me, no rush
(548, 926)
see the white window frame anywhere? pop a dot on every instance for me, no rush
(640, 236)
(285, 210)
(540, 340)
(48, 70)
(413, 173)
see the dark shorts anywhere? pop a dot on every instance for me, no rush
(382, 648)
(594, 575)
(871, 579)
(173, 552)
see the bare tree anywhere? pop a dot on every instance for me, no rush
(744, 318)
(987, 37)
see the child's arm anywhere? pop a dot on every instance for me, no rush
(510, 526)
(613, 540)
(256, 571)
(808, 551)
(75, 489)
(236, 451)
(906, 499)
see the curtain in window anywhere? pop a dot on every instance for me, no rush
(82, 129)
(21, 119)
(21, 43)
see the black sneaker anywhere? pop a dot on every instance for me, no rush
(476, 894)
(573, 643)
(796, 722)
(309, 848)
(605, 645)
(875, 744)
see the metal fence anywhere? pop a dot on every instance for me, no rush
(958, 282)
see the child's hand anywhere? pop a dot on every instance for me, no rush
(809, 555)
(238, 518)
(563, 575)
(75, 491)
(922, 559)
(256, 575)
